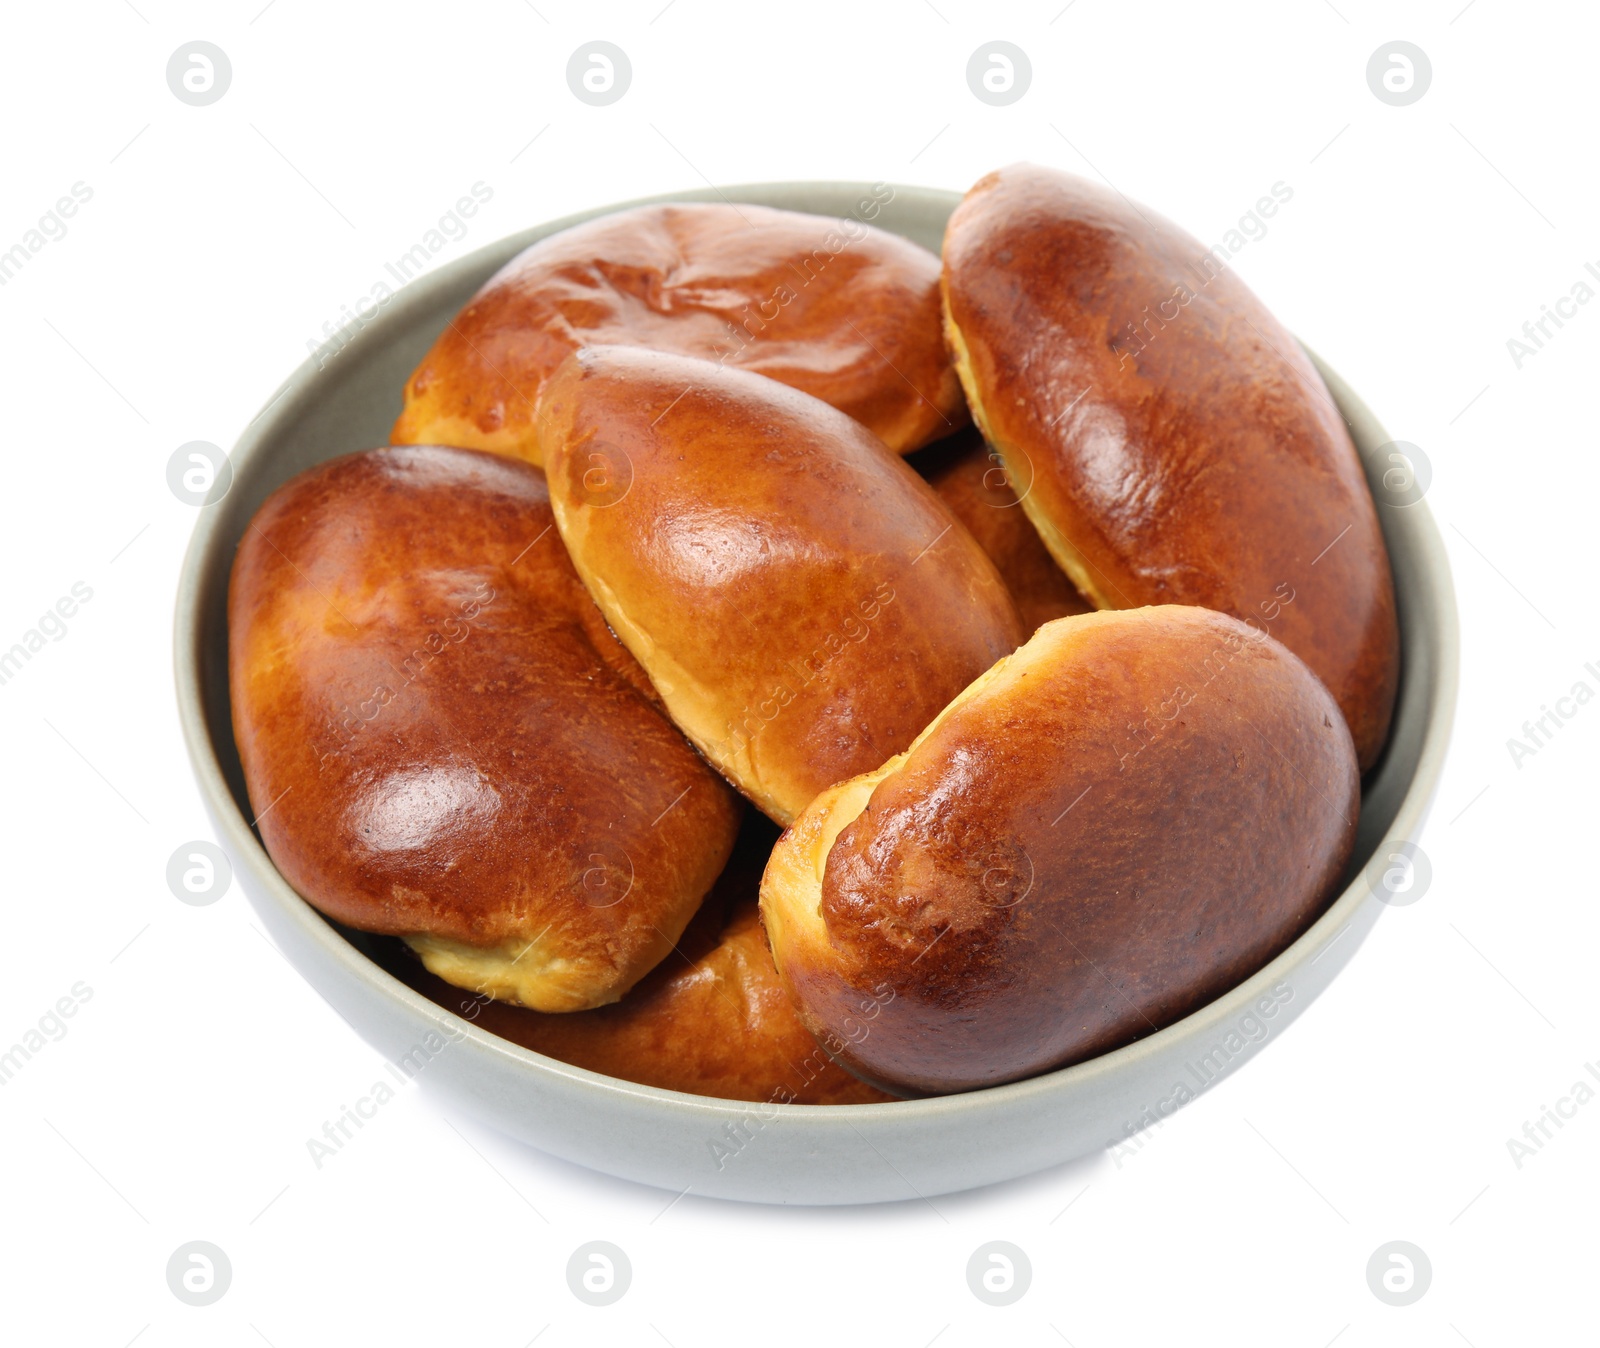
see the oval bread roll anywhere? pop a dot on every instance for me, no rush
(710, 1019)
(801, 599)
(836, 308)
(442, 741)
(1128, 816)
(1180, 445)
(971, 480)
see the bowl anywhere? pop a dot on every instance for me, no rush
(345, 399)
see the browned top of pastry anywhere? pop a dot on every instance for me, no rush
(1181, 446)
(801, 599)
(971, 480)
(1124, 819)
(836, 308)
(711, 1019)
(442, 739)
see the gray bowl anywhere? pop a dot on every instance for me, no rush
(767, 1152)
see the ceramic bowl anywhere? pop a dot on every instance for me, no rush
(345, 399)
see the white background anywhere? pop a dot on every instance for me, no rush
(219, 239)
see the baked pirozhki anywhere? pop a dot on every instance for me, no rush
(442, 740)
(1179, 445)
(710, 1019)
(1127, 817)
(503, 720)
(836, 308)
(803, 602)
(972, 481)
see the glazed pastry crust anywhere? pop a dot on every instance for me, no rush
(1128, 816)
(441, 740)
(803, 602)
(971, 479)
(1180, 445)
(711, 1019)
(838, 309)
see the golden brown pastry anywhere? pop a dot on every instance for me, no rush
(442, 741)
(710, 1019)
(801, 599)
(836, 308)
(971, 480)
(1127, 817)
(1180, 445)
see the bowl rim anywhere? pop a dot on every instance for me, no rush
(245, 849)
